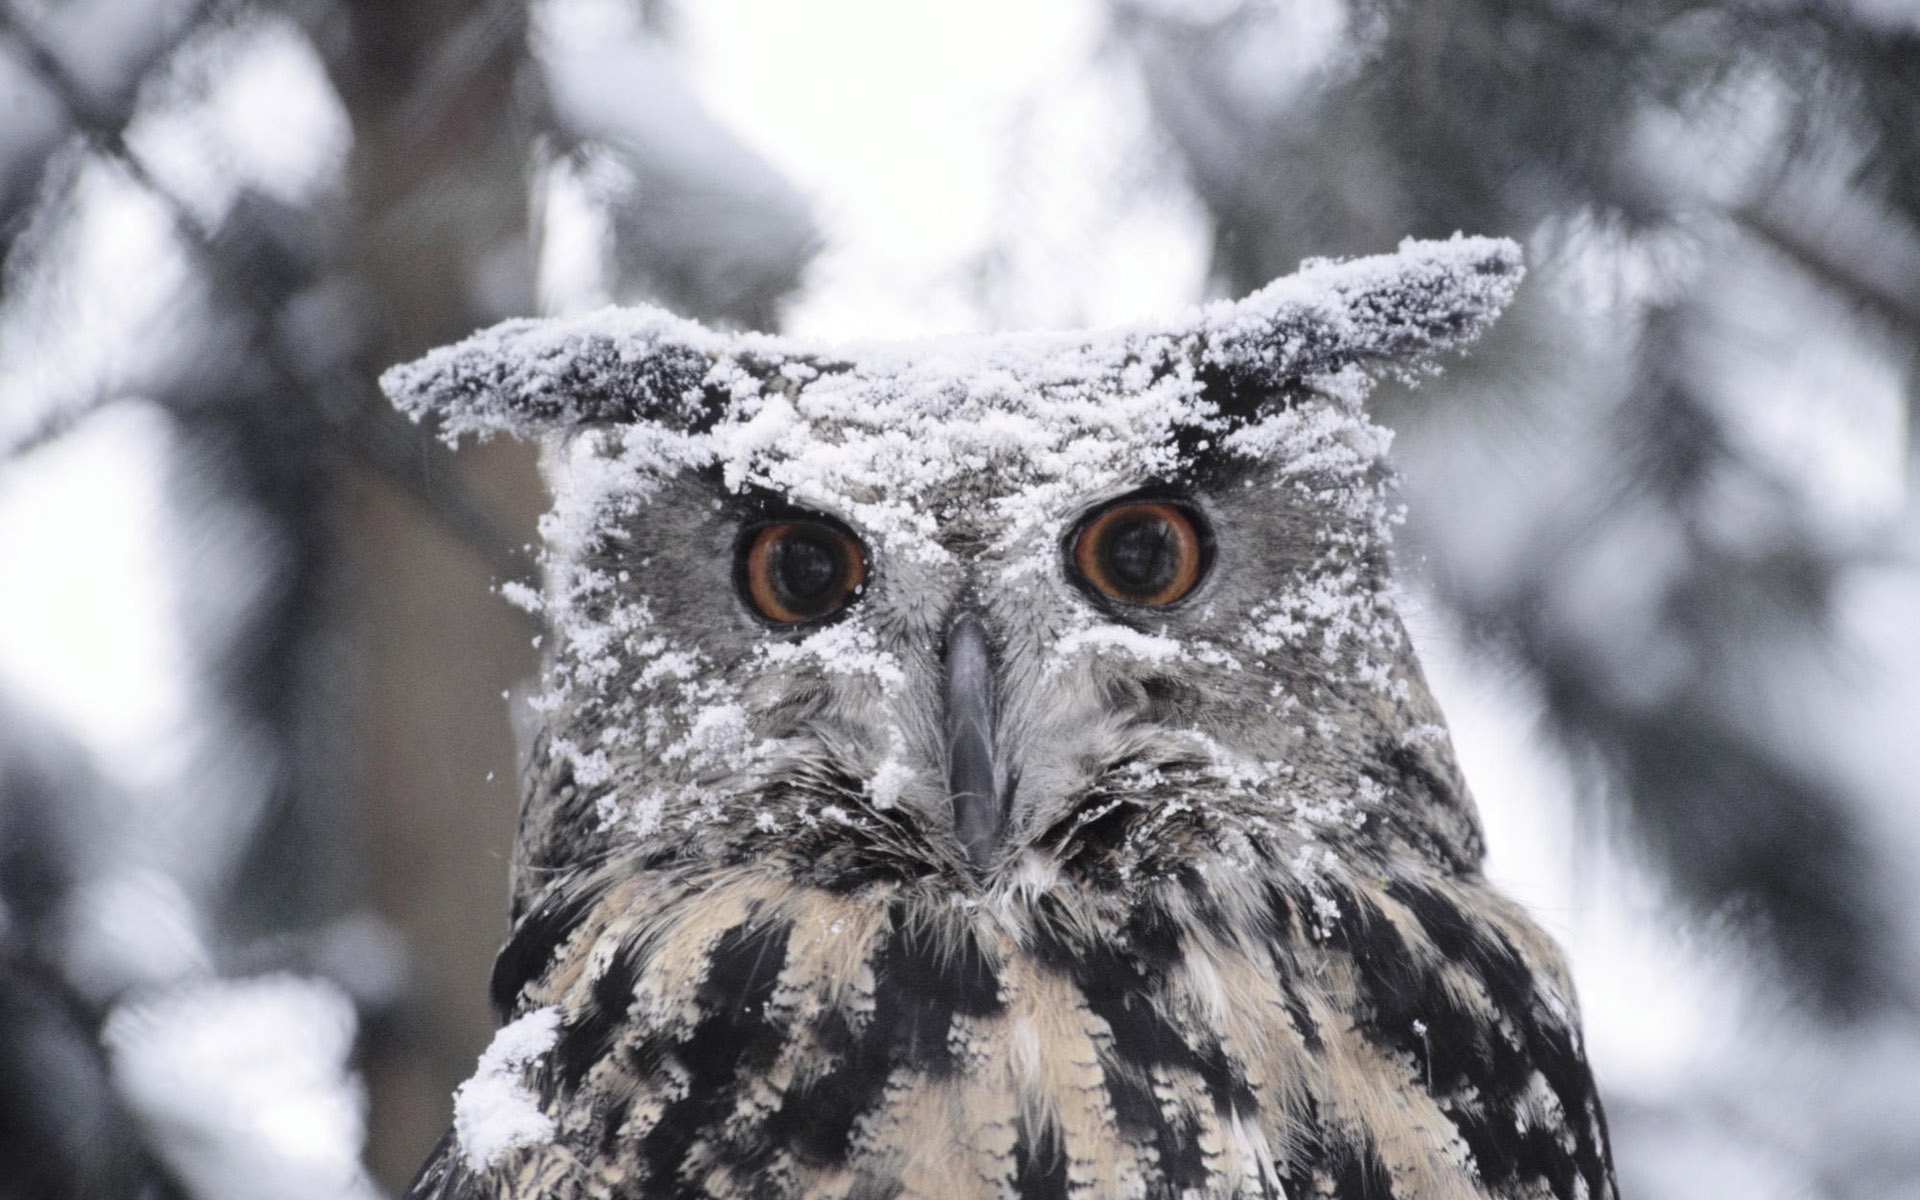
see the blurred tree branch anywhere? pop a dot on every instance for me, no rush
(1879, 273)
(355, 415)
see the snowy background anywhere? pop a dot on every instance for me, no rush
(256, 771)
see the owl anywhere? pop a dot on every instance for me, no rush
(995, 767)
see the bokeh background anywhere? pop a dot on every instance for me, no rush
(257, 765)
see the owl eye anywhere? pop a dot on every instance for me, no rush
(1141, 551)
(793, 571)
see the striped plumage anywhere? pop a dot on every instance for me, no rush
(1203, 918)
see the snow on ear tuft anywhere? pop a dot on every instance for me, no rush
(533, 376)
(1398, 309)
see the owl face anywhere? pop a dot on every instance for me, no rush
(972, 614)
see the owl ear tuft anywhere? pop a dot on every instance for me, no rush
(534, 376)
(1398, 309)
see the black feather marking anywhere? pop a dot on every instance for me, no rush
(922, 981)
(1233, 389)
(733, 1039)
(1414, 779)
(1303, 1022)
(1342, 1163)
(1039, 1164)
(1279, 913)
(533, 942)
(1242, 389)
(590, 1037)
(1119, 989)
(1501, 1071)
(815, 1120)
(613, 1117)
(1206, 910)
(1282, 936)
(1153, 935)
(1358, 1173)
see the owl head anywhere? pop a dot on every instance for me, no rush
(974, 615)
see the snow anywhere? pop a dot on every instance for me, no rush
(493, 1112)
(888, 435)
(1118, 639)
(244, 1087)
(843, 649)
(888, 782)
(530, 376)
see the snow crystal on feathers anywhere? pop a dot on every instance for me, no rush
(892, 439)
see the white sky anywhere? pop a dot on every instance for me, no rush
(87, 630)
(974, 165)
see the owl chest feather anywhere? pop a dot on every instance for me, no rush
(730, 1034)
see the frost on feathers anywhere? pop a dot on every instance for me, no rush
(493, 1112)
(889, 438)
(631, 364)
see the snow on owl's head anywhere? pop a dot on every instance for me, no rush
(979, 611)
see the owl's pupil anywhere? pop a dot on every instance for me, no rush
(1143, 551)
(1140, 556)
(806, 569)
(796, 570)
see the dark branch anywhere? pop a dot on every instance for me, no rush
(359, 420)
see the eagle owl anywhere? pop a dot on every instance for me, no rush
(995, 768)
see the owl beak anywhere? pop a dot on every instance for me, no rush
(978, 805)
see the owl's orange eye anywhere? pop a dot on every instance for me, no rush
(793, 571)
(1141, 551)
